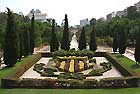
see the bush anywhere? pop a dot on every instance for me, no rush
(78, 76)
(64, 76)
(96, 72)
(92, 60)
(59, 53)
(88, 53)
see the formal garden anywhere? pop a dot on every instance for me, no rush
(72, 61)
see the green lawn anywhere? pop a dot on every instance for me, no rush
(71, 91)
(127, 63)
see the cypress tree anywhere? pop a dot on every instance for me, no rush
(32, 35)
(92, 44)
(82, 40)
(26, 40)
(122, 42)
(10, 47)
(65, 43)
(54, 44)
(21, 43)
(115, 42)
(137, 49)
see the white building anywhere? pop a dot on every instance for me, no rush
(42, 17)
(110, 16)
(84, 22)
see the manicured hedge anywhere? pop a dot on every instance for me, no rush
(26, 64)
(122, 69)
(124, 82)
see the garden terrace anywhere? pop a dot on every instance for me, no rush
(79, 80)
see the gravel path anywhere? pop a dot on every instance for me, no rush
(111, 73)
(30, 73)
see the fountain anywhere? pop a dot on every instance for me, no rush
(74, 43)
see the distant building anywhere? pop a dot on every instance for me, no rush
(121, 13)
(110, 16)
(42, 17)
(84, 22)
(137, 6)
(102, 19)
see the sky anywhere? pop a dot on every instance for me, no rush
(75, 9)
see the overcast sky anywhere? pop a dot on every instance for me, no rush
(76, 9)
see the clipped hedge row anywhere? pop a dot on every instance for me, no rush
(26, 64)
(125, 82)
(124, 71)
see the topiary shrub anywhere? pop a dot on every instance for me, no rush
(92, 60)
(96, 72)
(59, 53)
(78, 76)
(88, 53)
(64, 76)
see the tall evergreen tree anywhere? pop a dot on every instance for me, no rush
(65, 43)
(32, 35)
(122, 42)
(10, 47)
(137, 49)
(54, 44)
(82, 40)
(92, 44)
(26, 40)
(115, 42)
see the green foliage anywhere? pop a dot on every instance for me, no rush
(125, 63)
(92, 44)
(32, 35)
(54, 44)
(59, 53)
(93, 60)
(97, 72)
(78, 76)
(137, 49)
(82, 40)
(65, 43)
(64, 76)
(122, 42)
(115, 42)
(132, 13)
(10, 47)
(86, 52)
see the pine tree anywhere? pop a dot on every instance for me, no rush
(92, 44)
(54, 44)
(32, 35)
(115, 42)
(137, 49)
(122, 42)
(82, 40)
(65, 43)
(10, 47)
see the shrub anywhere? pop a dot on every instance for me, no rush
(59, 53)
(96, 72)
(64, 76)
(92, 60)
(88, 53)
(78, 76)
